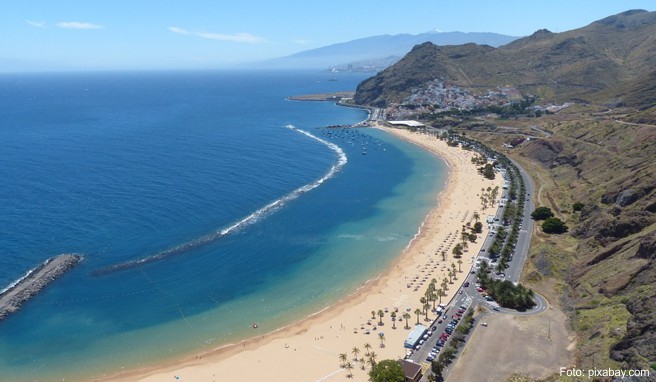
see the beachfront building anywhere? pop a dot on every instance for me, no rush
(411, 370)
(407, 123)
(411, 125)
(415, 336)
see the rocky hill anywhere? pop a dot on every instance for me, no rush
(599, 154)
(609, 267)
(579, 64)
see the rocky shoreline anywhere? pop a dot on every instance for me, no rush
(29, 286)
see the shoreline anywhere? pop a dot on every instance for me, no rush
(323, 335)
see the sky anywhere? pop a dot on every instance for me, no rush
(201, 34)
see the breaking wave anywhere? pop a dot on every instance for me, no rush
(246, 221)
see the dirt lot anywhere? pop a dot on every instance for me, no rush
(535, 346)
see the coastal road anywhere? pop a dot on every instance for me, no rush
(468, 297)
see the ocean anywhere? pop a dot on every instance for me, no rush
(202, 202)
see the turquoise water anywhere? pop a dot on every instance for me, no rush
(179, 168)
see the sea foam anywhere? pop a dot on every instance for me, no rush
(253, 218)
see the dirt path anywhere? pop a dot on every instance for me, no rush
(535, 346)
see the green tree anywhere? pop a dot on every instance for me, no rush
(436, 368)
(457, 251)
(342, 360)
(388, 370)
(381, 314)
(406, 316)
(578, 206)
(542, 213)
(554, 225)
(418, 313)
(488, 171)
(393, 315)
(478, 227)
(367, 348)
(355, 352)
(349, 369)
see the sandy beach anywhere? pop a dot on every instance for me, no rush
(309, 350)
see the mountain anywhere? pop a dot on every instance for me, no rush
(378, 52)
(578, 64)
(598, 155)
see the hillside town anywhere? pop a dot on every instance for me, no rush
(437, 97)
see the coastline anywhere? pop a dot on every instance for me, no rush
(311, 346)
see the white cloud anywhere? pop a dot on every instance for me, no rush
(237, 37)
(36, 24)
(301, 41)
(78, 25)
(179, 30)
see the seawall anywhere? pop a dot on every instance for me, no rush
(29, 286)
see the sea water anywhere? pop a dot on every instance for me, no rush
(202, 202)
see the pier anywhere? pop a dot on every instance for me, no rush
(31, 284)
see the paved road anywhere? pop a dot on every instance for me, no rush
(469, 298)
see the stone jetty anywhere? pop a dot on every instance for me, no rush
(29, 286)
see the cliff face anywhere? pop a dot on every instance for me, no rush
(610, 167)
(578, 64)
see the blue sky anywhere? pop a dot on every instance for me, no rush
(166, 34)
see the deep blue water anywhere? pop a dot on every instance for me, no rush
(121, 167)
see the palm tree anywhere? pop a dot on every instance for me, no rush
(418, 313)
(372, 358)
(439, 293)
(381, 336)
(349, 368)
(407, 317)
(477, 216)
(445, 284)
(355, 352)
(367, 347)
(434, 298)
(362, 362)
(371, 362)
(393, 314)
(422, 301)
(459, 265)
(342, 360)
(426, 309)
(381, 314)
(373, 314)
(443, 255)
(450, 277)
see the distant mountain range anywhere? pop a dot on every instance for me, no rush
(377, 52)
(608, 56)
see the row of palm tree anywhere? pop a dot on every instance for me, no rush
(368, 359)
(489, 196)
